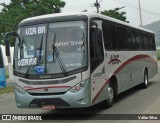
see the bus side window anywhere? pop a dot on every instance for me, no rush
(129, 39)
(153, 42)
(145, 41)
(109, 36)
(121, 37)
(149, 42)
(141, 42)
(138, 39)
(96, 48)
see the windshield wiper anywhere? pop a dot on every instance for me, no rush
(40, 51)
(55, 51)
(38, 60)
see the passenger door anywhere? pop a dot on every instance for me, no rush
(96, 60)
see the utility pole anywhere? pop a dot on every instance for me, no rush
(97, 5)
(139, 3)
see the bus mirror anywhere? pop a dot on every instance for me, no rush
(7, 45)
(94, 25)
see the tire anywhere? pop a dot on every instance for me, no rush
(145, 81)
(111, 96)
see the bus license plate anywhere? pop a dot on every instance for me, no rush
(48, 107)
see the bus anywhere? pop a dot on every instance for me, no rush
(75, 60)
(2, 71)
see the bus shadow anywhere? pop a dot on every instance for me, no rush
(132, 91)
(72, 114)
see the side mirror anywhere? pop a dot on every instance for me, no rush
(94, 25)
(7, 45)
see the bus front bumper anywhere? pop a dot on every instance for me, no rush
(66, 100)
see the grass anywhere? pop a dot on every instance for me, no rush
(7, 76)
(8, 89)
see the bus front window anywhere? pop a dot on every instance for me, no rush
(60, 49)
(66, 47)
(30, 48)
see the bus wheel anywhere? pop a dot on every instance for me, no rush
(145, 83)
(109, 102)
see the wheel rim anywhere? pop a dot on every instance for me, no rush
(110, 94)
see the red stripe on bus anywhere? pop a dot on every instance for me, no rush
(48, 87)
(131, 60)
(120, 68)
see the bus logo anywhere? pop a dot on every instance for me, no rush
(45, 89)
(114, 59)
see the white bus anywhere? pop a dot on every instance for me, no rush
(79, 59)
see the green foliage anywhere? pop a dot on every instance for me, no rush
(7, 76)
(8, 89)
(115, 14)
(158, 55)
(18, 10)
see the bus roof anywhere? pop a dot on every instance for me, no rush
(88, 14)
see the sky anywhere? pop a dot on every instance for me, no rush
(150, 8)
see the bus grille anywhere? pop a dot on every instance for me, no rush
(48, 101)
(45, 94)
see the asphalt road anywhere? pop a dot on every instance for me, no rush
(134, 101)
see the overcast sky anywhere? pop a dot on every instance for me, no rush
(150, 12)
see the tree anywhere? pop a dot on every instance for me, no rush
(116, 14)
(18, 10)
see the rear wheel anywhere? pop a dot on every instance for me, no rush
(145, 83)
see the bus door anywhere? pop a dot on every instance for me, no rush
(96, 60)
(2, 71)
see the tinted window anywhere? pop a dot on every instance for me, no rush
(145, 42)
(121, 38)
(139, 41)
(96, 48)
(142, 41)
(153, 42)
(149, 42)
(109, 36)
(134, 41)
(129, 39)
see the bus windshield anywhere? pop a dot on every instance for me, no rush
(52, 48)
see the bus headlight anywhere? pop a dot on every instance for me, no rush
(79, 86)
(19, 89)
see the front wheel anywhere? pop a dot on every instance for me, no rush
(111, 95)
